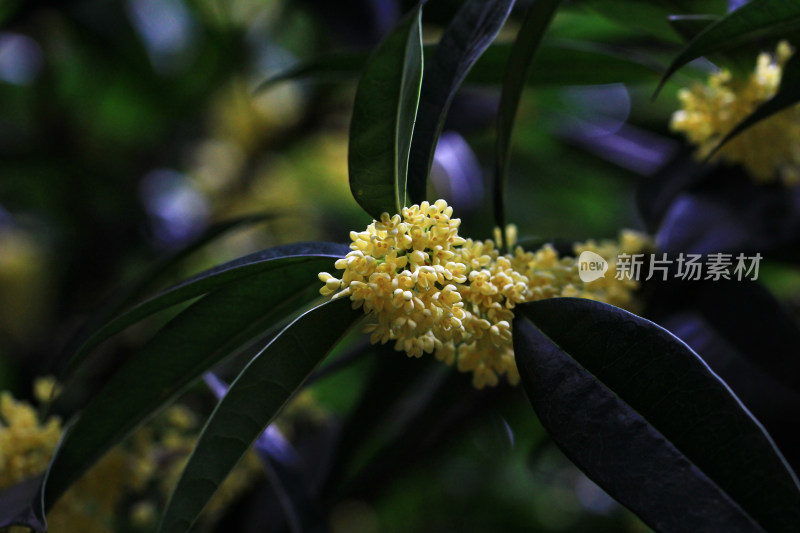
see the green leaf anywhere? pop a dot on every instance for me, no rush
(739, 61)
(649, 17)
(145, 279)
(788, 95)
(645, 418)
(536, 22)
(252, 401)
(652, 17)
(689, 26)
(379, 400)
(383, 118)
(283, 467)
(758, 19)
(564, 62)
(339, 66)
(205, 333)
(568, 63)
(8, 9)
(200, 284)
(470, 32)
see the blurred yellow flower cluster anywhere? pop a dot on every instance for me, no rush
(767, 150)
(153, 456)
(432, 291)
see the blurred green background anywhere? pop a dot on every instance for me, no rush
(129, 128)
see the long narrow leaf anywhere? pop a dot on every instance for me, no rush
(252, 401)
(282, 466)
(788, 95)
(689, 26)
(647, 420)
(202, 335)
(383, 118)
(568, 62)
(127, 296)
(471, 31)
(341, 66)
(758, 19)
(200, 284)
(536, 22)
(563, 62)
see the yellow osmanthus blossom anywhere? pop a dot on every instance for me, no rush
(26, 445)
(767, 150)
(431, 291)
(154, 455)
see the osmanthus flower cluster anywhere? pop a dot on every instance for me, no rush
(431, 291)
(767, 150)
(153, 456)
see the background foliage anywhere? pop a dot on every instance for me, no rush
(143, 142)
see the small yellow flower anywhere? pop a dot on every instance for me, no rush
(769, 149)
(432, 291)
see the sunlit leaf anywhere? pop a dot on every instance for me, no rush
(470, 32)
(383, 118)
(647, 420)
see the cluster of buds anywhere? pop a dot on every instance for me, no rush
(767, 150)
(431, 291)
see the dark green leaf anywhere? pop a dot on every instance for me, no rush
(646, 419)
(214, 278)
(788, 95)
(144, 280)
(8, 9)
(252, 401)
(556, 63)
(471, 31)
(759, 19)
(336, 67)
(568, 63)
(208, 331)
(282, 466)
(383, 118)
(653, 17)
(536, 22)
(439, 408)
(381, 396)
(689, 26)
(649, 17)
